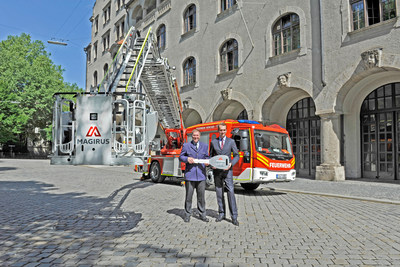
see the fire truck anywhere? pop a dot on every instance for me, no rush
(265, 153)
(117, 121)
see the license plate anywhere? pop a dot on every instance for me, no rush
(281, 176)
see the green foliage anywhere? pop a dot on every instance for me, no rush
(28, 80)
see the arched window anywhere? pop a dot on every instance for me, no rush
(137, 14)
(229, 56)
(95, 79)
(189, 71)
(226, 4)
(380, 128)
(161, 37)
(190, 18)
(304, 129)
(105, 69)
(369, 12)
(286, 33)
(150, 5)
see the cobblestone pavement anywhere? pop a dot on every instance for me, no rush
(93, 216)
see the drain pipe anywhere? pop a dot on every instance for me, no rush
(321, 27)
(245, 24)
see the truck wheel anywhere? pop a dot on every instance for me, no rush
(155, 172)
(249, 186)
(209, 177)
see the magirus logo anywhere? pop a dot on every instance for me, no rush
(93, 132)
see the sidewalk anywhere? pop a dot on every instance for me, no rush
(362, 189)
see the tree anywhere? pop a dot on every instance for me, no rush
(28, 80)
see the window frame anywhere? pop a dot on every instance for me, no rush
(161, 36)
(229, 56)
(226, 4)
(107, 14)
(95, 78)
(189, 71)
(365, 21)
(189, 18)
(96, 25)
(106, 41)
(286, 35)
(95, 55)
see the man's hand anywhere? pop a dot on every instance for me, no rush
(230, 165)
(191, 160)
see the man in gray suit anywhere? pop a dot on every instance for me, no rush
(225, 146)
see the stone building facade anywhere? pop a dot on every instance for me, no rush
(328, 71)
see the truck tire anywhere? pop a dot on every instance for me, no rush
(209, 177)
(155, 173)
(250, 186)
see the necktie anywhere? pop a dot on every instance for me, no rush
(222, 143)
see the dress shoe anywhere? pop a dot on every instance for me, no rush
(235, 222)
(220, 218)
(204, 219)
(186, 219)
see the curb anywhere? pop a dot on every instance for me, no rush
(385, 201)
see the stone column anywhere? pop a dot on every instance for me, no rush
(330, 169)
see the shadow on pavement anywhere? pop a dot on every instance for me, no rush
(34, 223)
(257, 192)
(7, 168)
(181, 213)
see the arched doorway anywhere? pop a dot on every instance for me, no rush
(380, 133)
(304, 129)
(191, 117)
(230, 109)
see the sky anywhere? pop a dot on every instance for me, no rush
(61, 20)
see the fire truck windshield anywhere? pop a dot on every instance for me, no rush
(272, 144)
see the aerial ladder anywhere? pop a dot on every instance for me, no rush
(116, 122)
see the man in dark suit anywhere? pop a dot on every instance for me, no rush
(225, 146)
(195, 175)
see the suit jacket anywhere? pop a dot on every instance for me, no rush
(194, 172)
(229, 148)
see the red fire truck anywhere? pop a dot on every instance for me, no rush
(265, 152)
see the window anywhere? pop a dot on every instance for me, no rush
(106, 42)
(161, 37)
(226, 4)
(95, 51)
(137, 14)
(119, 29)
(96, 25)
(106, 14)
(89, 54)
(95, 79)
(105, 69)
(286, 34)
(119, 4)
(369, 12)
(151, 5)
(190, 18)
(189, 71)
(229, 56)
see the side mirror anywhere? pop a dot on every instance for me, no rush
(235, 132)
